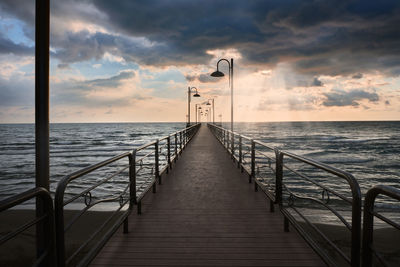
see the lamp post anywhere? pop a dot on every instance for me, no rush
(189, 99)
(218, 73)
(198, 110)
(212, 99)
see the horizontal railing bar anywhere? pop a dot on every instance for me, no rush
(317, 184)
(76, 217)
(95, 185)
(320, 165)
(22, 197)
(340, 217)
(91, 168)
(263, 144)
(145, 145)
(386, 220)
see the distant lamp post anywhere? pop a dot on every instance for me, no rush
(218, 73)
(208, 103)
(198, 109)
(196, 94)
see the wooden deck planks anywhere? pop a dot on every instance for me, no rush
(206, 214)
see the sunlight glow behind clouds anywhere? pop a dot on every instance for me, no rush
(341, 63)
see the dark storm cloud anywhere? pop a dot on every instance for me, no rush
(75, 92)
(113, 81)
(8, 47)
(317, 82)
(316, 37)
(203, 78)
(342, 98)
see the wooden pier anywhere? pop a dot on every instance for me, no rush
(206, 214)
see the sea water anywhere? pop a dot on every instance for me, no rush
(370, 151)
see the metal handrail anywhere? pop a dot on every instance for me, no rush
(127, 196)
(47, 256)
(287, 204)
(368, 250)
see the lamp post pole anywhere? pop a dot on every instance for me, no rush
(195, 113)
(189, 100)
(221, 74)
(213, 113)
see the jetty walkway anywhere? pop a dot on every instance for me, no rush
(206, 214)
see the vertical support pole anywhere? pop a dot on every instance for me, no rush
(180, 142)
(368, 228)
(240, 151)
(156, 166)
(278, 177)
(132, 186)
(185, 138)
(253, 163)
(227, 141)
(278, 185)
(42, 58)
(213, 111)
(231, 83)
(176, 147)
(233, 146)
(188, 107)
(59, 221)
(169, 153)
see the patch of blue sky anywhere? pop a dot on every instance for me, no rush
(12, 29)
(28, 69)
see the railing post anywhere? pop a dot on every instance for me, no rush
(176, 147)
(132, 186)
(156, 166)
(233, 146)
(253, 163)
(184, 139)
(180, 142)
(368, 228)
(132, 179)
(278, 176)
(59, 223)
(356, 226)
(279, 185)
(169, 153)
(223, 133)
(240, 151)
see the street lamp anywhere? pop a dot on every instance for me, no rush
(196, 94)
(218, 73)
(198, 108)
(208, 103)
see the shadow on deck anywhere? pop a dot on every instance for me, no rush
(206, 214)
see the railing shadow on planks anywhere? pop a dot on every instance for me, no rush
(306, 190)
(130, 176)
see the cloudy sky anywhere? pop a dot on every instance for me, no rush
(126, 61)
